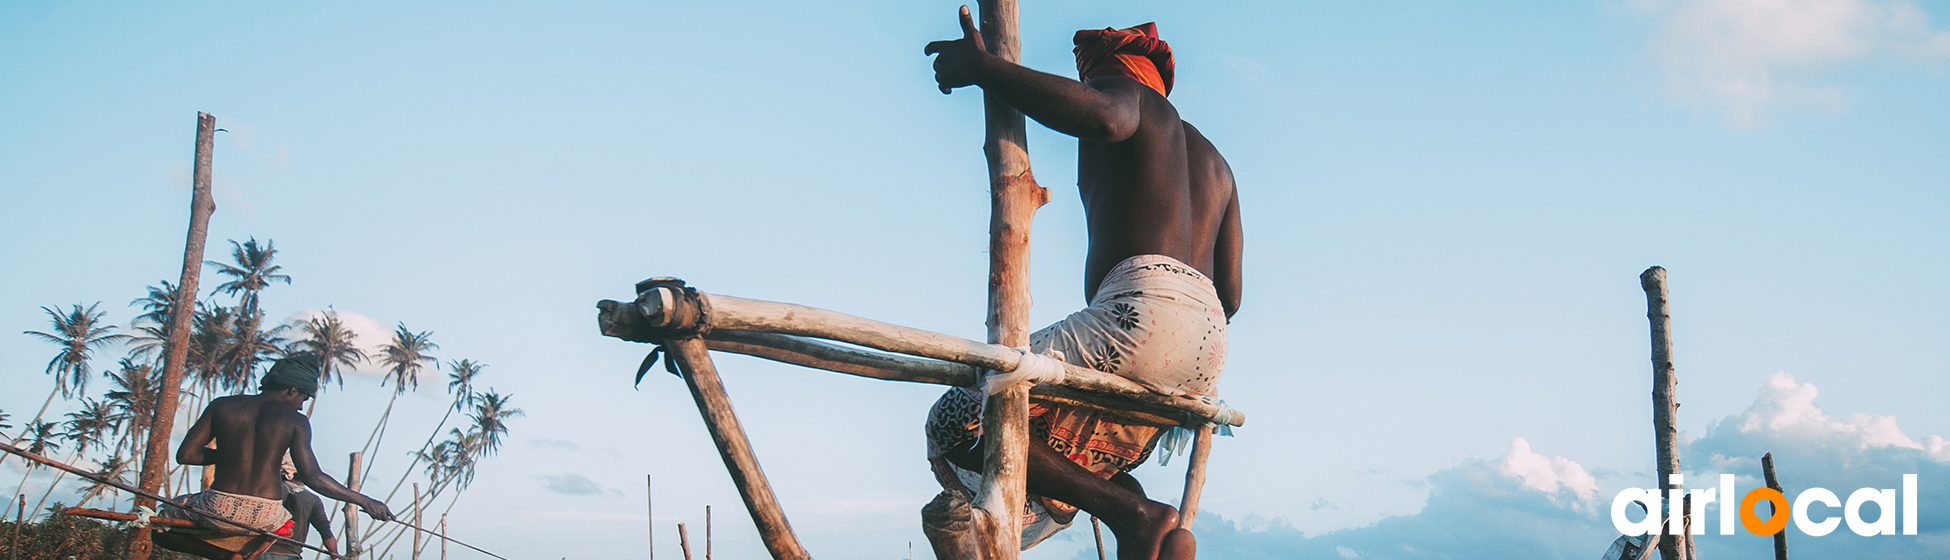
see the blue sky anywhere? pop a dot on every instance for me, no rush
(1446, 206)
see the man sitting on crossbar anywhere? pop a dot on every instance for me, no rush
(1162, 277)
(253, 433)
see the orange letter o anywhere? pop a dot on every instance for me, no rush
(1775, 523)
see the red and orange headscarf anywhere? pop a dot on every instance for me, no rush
(1135, 52)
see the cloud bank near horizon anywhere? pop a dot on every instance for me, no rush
(1525, 504)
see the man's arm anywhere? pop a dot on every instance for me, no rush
(320, 523)
(1106, 110)
(1228, 258)
(193, 450)
(316, 479)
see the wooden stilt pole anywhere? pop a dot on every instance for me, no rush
(1665, 409)
(650, 511)
(707, 532)
(702, 376)
(1780, 538)
(443, 531)
(683, 541)
(156, 452)
(1194, 477)
(416, 521)
(1098, 530)
(353, 482)
(1014, 198)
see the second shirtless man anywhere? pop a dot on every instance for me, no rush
(252, 433)
(1162, 277)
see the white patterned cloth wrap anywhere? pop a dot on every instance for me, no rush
(264, 514)
(1154, 321)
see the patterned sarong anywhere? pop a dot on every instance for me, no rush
(1154, 321)
(259, 513)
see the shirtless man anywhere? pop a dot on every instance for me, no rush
(252, 435)
(1162, 276)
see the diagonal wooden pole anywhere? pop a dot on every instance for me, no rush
(177, 349)
(694, 360)
(1014, 198)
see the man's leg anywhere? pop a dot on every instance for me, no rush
(1140, 524)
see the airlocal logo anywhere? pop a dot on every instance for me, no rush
(1802, 512)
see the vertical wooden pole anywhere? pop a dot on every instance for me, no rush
(443, 531)
(353, 482)
(707, 532)
(1665, 409)
(683, 541)
(1780, 538)
(650, 511)
(694, 360)
(154, 463)
(416, 521)
(1014, 198)
(1098, 531)
(1194, 478)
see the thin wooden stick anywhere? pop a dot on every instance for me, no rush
(1664, 408)
(1194, 477)
(353, 547)
(694, 360)
(1780, 537)
(176, 352)
(1099, 531)
(650, 512)
(683, 541)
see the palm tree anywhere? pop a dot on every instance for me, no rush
(404, 357)
(152, 326)
(491, 421)
(112, 469)
(40, 438)
(85, 429)
(78, 334)
(137, 386)
(252, 273)
(211, 334)
(249, 346)
(460, 382)
(335, 345)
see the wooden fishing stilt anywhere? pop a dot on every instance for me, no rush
(1665, 409)
(353, 482)
(683, 541)
(176, 351)
(694, 360)
(1194, 477)
(1780, 537)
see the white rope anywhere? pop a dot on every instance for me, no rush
(1032, 368)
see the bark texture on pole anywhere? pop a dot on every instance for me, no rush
(1194, 478)
(694, 360)
(1014, 198)
(683, 541)
(1780, 537)
(156, 452)
(1665, 408)
(354, 483)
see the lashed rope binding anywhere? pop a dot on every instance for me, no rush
(681, 312)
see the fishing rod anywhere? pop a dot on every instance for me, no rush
(105, 480)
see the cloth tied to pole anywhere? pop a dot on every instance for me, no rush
(142, 515)
(1178, 439)
(1033, 368)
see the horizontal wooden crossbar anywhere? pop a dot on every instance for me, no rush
(787, 333)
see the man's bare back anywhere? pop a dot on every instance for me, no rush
(252, 433)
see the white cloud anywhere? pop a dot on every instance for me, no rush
(1745, 56)
(1526, 504)
(1546, 474)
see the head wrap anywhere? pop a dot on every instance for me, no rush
(298, 371)
(1136, 52)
